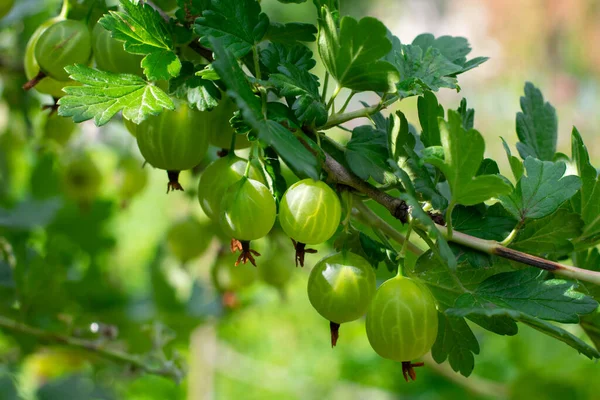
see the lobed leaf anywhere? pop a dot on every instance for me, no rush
(104, 94)
(541, 191)
(537, 126)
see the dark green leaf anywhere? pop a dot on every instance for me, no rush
(467, 114)
(272, 169)
(367, 154)
(289, 148)
(538, 324)
(537, 126)
(293, 81)
(488, 167)
(527, 291)
(455, 342)
(353, 55)
(291, 32)
(429, 111)
(332, 5)
(145, 32)
(541, 191)
(199, 92)
(492, 223)
(516, 165)
(591, 326)
(551, 236)
(463, 152)
(277, 54)
(586, 202)
(239, 25)
(105, 94)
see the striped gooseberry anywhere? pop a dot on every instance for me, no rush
(217, 178)
(173, 142)
(309, 213)
(402, 322)
(247, 213)
(46, 85)
(110, 55)
(340, 288)
(63, 43)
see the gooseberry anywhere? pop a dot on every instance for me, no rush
(309, 213)
(63, 43)
(247, 213)
(82, 178)
(402, 322)
(340, 288)
(217, 178)
(110, 55)
(173, 142)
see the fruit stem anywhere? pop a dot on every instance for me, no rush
(347, 102)
(331, 102)
(334, 329)
(173, 181)
(35, 80)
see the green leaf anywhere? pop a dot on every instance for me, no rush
(455, 342)
(198, 92)
(145, 32)
(291, 33)
(289, 148)
(527, 291)
(516, 165)
(405, 147)
(541, 191)
(105, 94)
(536, 323)
(239, 25)
(492, 223)
(332, 5)
(454, 48)
(30, 214)
(161, 65)
(551, 236)
(367, 154)
(277, 54)
(537, 126)
(272, 168)
(444, 283)
(293, 81)
(587, 201)
(463, 151)
(352, 56)
(591, 326)
(429, 111)
(467, 115)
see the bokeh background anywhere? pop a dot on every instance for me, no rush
(109, 263)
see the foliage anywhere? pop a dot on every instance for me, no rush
(452, 221)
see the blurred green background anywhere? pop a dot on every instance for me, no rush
(87, 268)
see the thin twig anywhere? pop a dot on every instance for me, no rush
(96, 347)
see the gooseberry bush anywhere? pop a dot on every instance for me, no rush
(466, 244)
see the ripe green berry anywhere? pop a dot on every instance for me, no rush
(340, 288)
(247, 210)
(46, 85)
(217, 178)
(220, 129)
(64, 43)
(110, 55)
(402, 321)
(188, 239)
(310, 212)
(173, 142)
